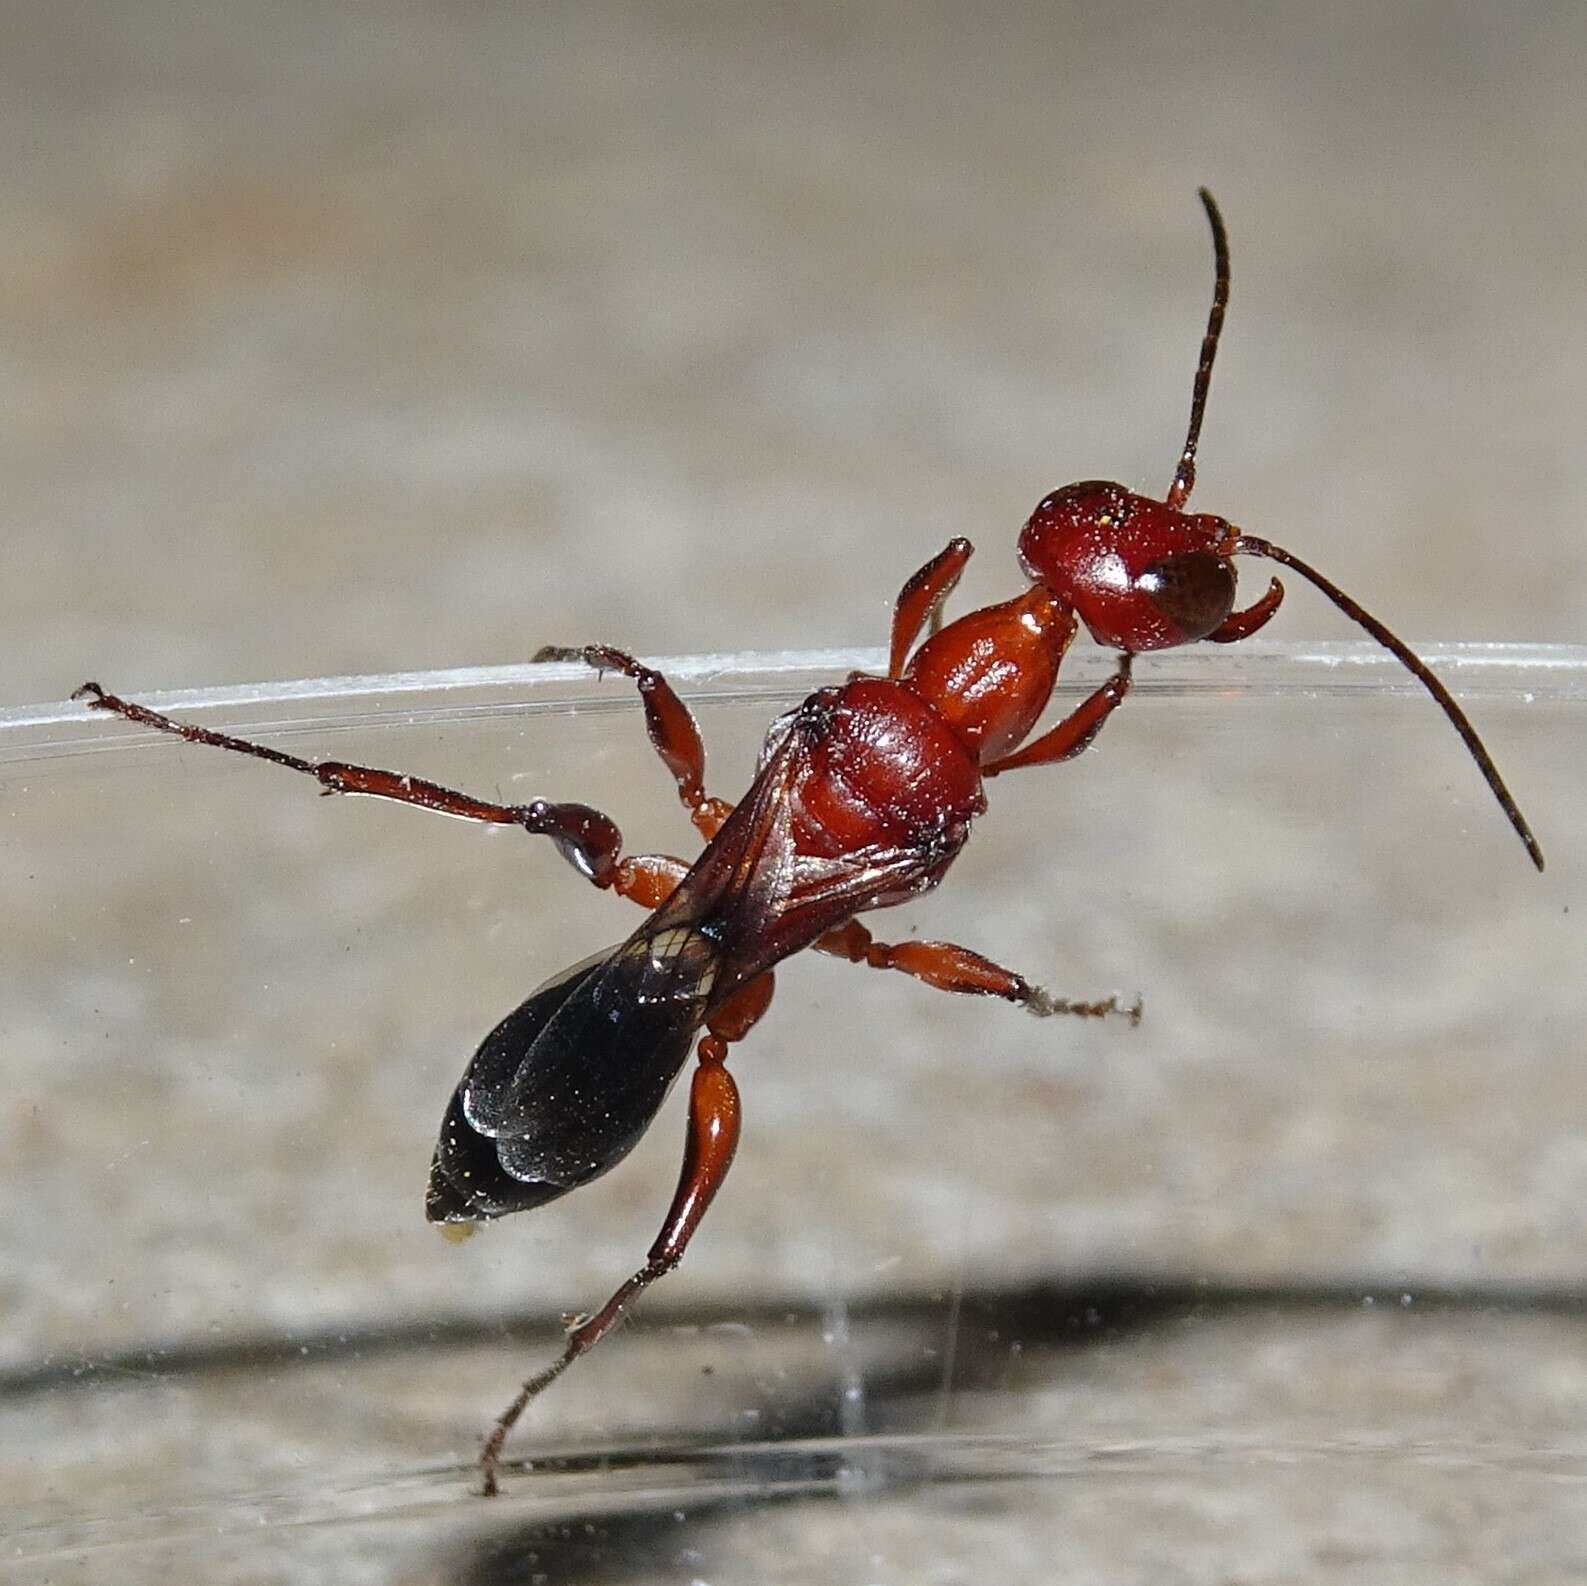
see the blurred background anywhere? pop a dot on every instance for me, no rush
(350, 338)
(355, 337)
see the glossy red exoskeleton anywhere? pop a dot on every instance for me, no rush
(864, 796)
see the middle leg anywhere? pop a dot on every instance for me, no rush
(949, 967)
(673, 733)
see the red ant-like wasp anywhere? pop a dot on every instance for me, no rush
(864, 796)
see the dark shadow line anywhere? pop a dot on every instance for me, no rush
(1074, 1311)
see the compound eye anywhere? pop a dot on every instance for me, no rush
(1193, 590)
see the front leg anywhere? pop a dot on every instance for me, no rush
(949, 967)
(1074, 733)
(921, 599)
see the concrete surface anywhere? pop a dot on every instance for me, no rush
(351, 339)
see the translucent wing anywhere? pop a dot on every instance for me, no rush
(562, 1089)
(755, 895)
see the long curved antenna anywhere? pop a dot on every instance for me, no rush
(1185, 473)
(1247, 545)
